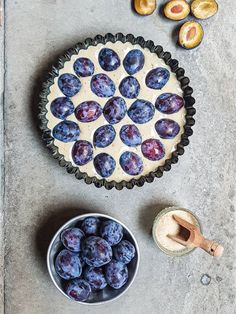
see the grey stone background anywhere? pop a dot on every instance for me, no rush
(39, 196)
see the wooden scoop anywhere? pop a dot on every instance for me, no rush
(196, 239)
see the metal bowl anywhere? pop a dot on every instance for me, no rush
(103, 296)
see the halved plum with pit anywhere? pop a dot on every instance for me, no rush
(176, 10)
(190, 35)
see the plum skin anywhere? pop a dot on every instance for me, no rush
(116, 274)
(115, 110)
(131, 163)
(69, 84)
(88, 111)
(82, 152)
(78, 290)
(71, 239)
(68, 265)
(96, 251)
(84, 67)
(66, 131)
(124, 251)
(104, 136)
(108, 59)
(90, 225)
(130, 135)
(141, 111)
(95, 277)
(104, 164)
(129, 87)
(153, 149)
(157, 78)
(62, 107)
(134, 61)
(102, 86)
(169, 103)
(111, 231)
(167, 128)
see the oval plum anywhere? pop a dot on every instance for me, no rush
(71, 239)
(108, 59)
(134, 61)
(68, 265)
(114, 110)
(131, 163)
(69, 84)
(104, 136)
(82, 152)
(116, 274)
(88, 111)
(129, 87)
(169, 103)
(84, 67)
(167, 128)
(95, 277)
(104, 165)
(66, 131)
(62, 107)
(130, 135)
(157, 78)
(153, 149)
(176, 10)
(191, 34)
(78, 290)
(102, 85)
(141, 111)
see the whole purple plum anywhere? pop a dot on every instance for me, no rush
(104, 164)
(157, 78)
(84, 67)
(131, 163)
(91, 225)
(95, 277)
(124, 251)
(169, 103)
(130, 135)
(116, 274)
(68, 265)
(78, 290)
(141, 111)
(167, 128)
(88, 111)
(69, 84)
(115, 110)
(102, 85)
(153, 149)
(62, 107)
(104, 136)
(134, 61)
(66, 131)
(96, 251)
(129, 87)
(82, 152)
(108, 59)
(71, 239)
(111, 231)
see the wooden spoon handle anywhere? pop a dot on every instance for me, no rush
(211, 247)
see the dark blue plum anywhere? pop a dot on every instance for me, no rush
(69, 84)
(71, 239)
(115, 110)
(141, 111)
(129, 87)
(78, 290)
(108, 59)
(104, 136)
(88, 111)
(153, 149)
(124, 251)
(130, 135)
(131, 163)
(111, 231)
(169, 103)
(134, 61)
(90, 226)
(102, 85)
(82, 152)
(62, 107)
(157, 78)
(167, 128)
(68, 265)
(116, 274)
(66, 131)
(84, 67)
(95, 277)
(96, 251)
(104, 164)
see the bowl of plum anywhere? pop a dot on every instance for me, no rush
(93, 259)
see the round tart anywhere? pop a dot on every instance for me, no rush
(117, 111)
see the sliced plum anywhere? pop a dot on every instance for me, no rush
(176, 10)
(204, 9)
(190, 35)
(144, 7)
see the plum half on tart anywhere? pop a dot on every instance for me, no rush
(176, 10)
(204, 9)
(190, 35)
(117, 111)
